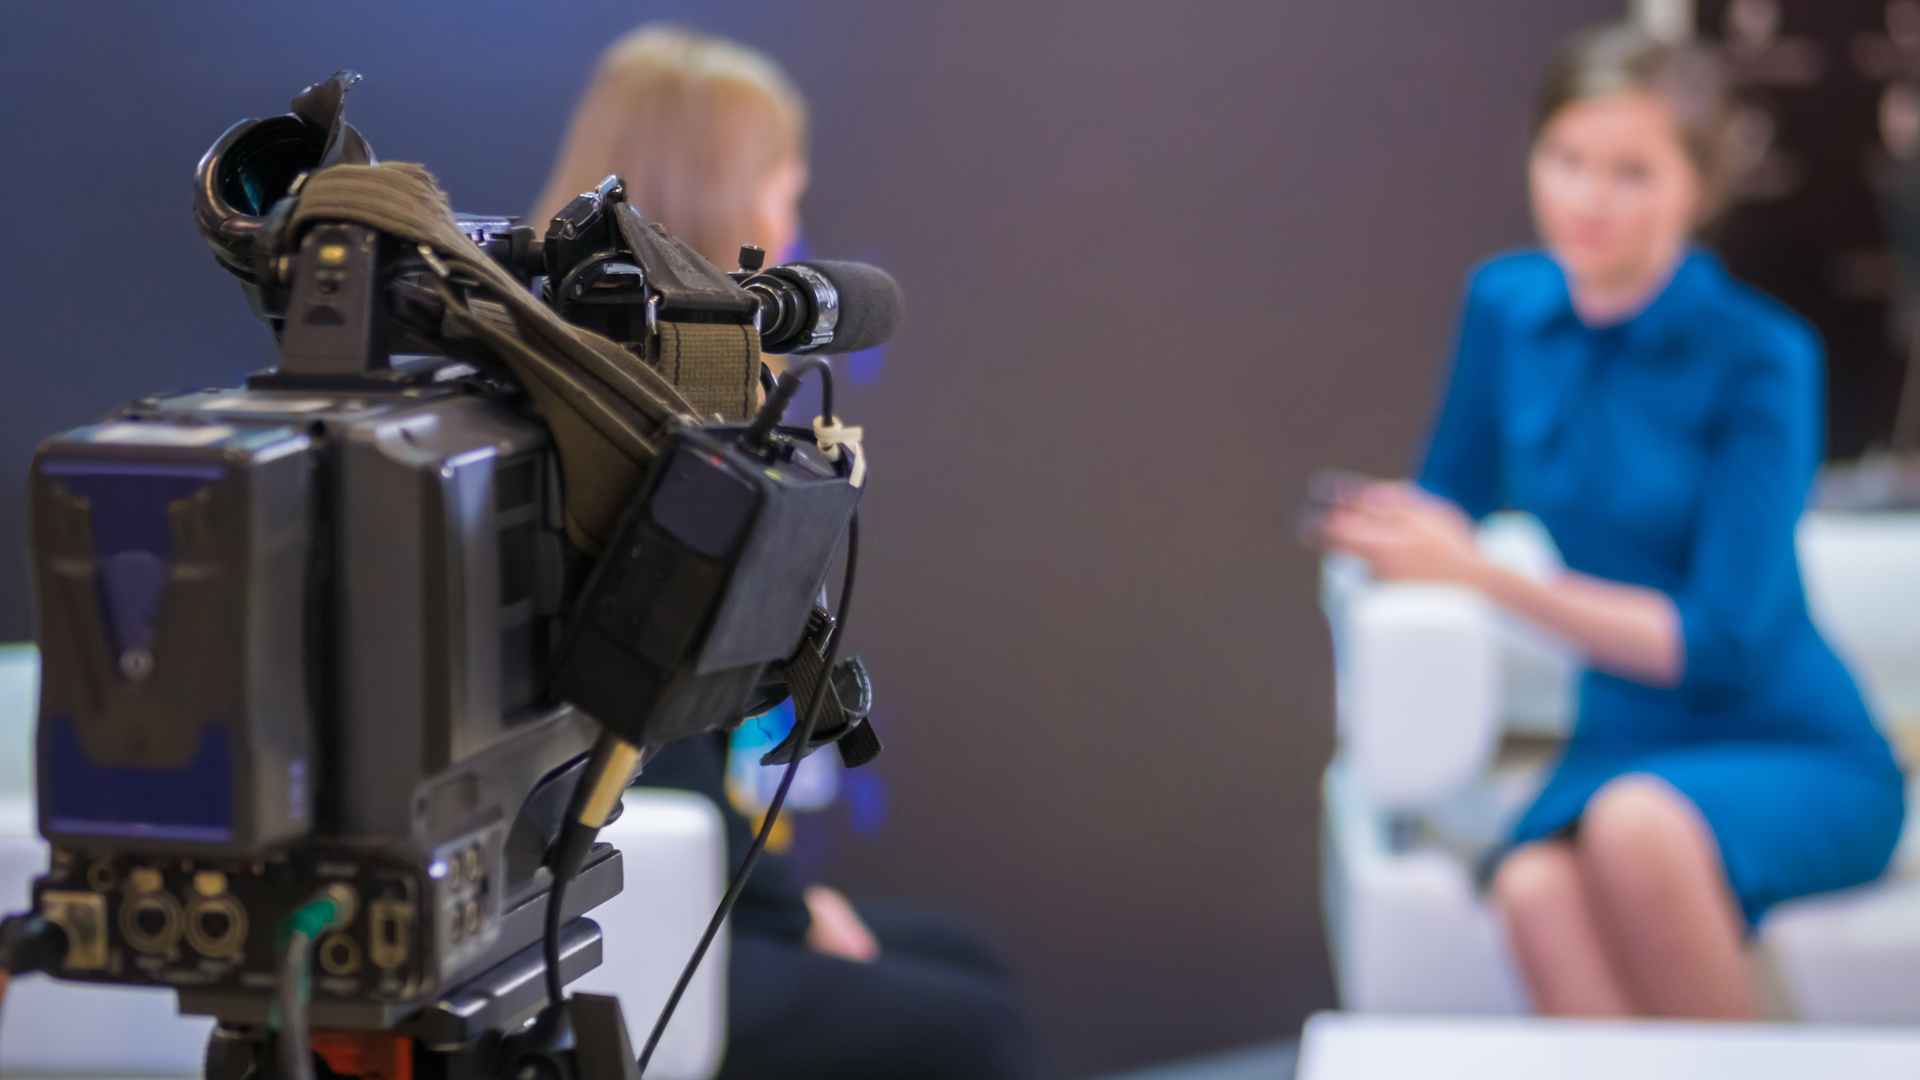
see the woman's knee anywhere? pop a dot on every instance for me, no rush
(1645, 848)
(1535, 878)
(1639, 821)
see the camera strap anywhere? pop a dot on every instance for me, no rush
(843, 711)
(607, 408)
(713, 355)
(705, 362)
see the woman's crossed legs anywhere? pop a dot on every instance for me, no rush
(1631, 916)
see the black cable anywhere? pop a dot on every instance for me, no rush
(815, 363)
(28, 943)
(771, 410)
(779, 797)
(556, 894)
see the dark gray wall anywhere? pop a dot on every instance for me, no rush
(1163, 260)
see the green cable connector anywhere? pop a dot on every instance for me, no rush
(330, 909)
(312, 920)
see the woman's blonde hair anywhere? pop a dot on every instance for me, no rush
(1622, 58)
(695, 124)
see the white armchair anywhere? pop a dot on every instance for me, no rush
(675, 862)
(1449, 712)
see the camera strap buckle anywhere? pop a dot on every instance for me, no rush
(433, 262)
(830, 435)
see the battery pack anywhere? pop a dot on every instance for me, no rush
(172, 566)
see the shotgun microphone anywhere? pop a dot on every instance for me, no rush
(823, 306)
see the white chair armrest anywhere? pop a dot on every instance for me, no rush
(1419, 689)
(1429, 675)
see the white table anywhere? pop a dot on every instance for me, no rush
(1352, 1046)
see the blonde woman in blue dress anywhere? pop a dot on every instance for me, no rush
(1664, 423)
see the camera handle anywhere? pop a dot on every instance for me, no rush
(336, 320)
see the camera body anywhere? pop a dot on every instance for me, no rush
(377, 639)
(295, 639)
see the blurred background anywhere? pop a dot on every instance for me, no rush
(1162, 261)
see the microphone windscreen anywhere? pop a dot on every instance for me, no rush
(871, 304)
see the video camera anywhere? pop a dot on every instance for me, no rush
(363, 653)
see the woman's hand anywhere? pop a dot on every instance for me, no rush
(837, 929)
(1403, 534)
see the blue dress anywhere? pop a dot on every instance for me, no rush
(1674, 450)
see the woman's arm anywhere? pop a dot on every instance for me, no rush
(1743, 581)
(1627, 630)
(1404, 533)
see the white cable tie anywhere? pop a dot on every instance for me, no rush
(830, 435)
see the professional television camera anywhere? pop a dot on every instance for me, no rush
(360, 656)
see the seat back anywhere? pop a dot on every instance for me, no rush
(1862, 573)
